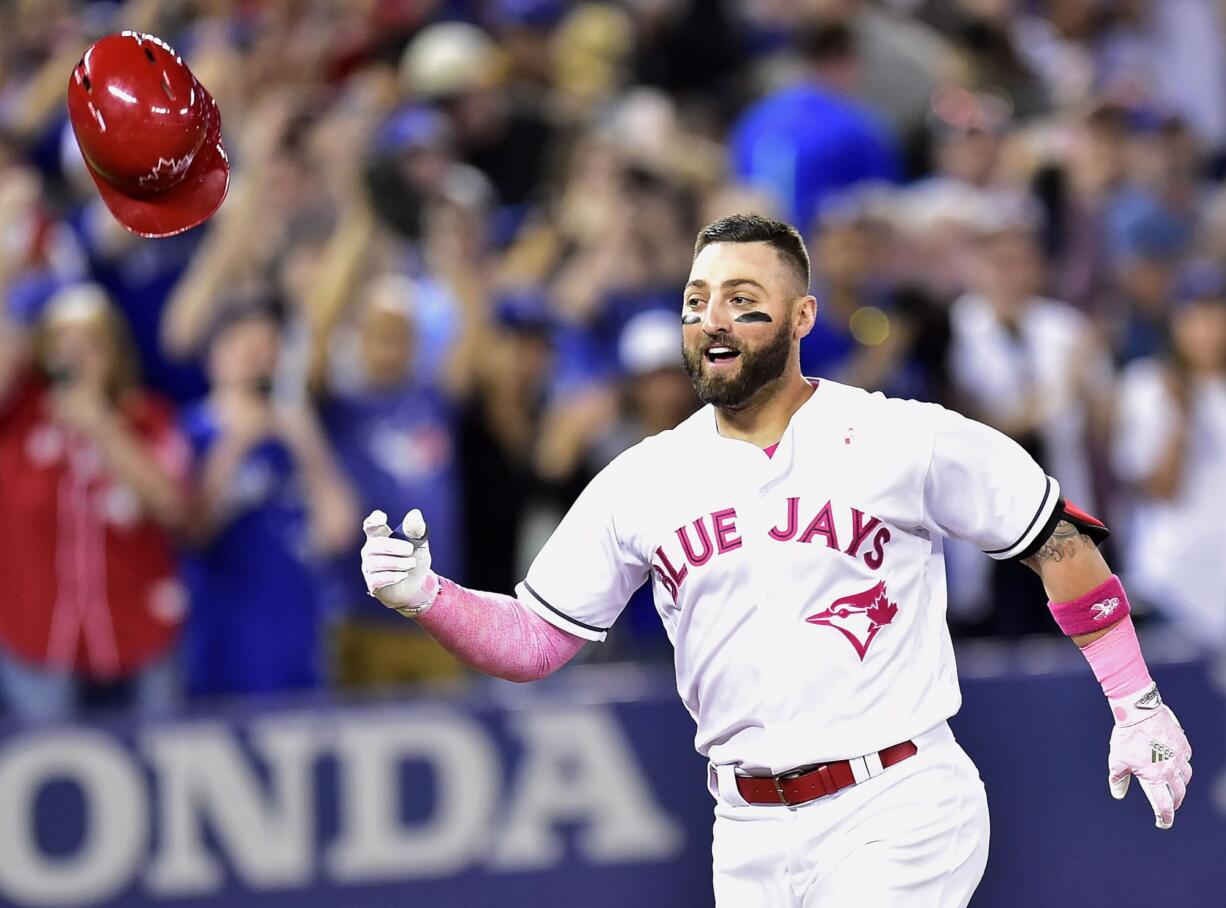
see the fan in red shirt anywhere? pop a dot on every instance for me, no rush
(92, 469)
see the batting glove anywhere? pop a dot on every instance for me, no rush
(397, 571)
(1148, 742)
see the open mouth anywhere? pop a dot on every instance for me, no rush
(720, 355)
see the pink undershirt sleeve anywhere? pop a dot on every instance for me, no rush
(1116, 661)
(496, 635)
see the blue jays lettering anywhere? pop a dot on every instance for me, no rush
(853, 534)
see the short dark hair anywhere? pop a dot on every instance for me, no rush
(754, 228)
(826, 41)
(248, 304)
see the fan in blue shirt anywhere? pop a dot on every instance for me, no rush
(271, 506)
(807, 141)
(393, 427)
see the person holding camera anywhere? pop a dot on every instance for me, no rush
(93, 468)
(269, 505)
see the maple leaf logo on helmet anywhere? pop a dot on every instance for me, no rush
(166, 167)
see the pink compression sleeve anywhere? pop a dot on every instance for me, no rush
(1116, 660)
(496, 635)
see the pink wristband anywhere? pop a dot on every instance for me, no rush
(1103, 606)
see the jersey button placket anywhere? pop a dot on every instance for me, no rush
(778, 594)
(766, 570)
(756, 579)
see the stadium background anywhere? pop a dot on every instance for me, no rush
(446, 276)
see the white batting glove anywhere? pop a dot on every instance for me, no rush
(397, 571)
(1148, 742)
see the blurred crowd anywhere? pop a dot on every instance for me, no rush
(448, 272)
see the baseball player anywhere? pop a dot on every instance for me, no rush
(792, 531)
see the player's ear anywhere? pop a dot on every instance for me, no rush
(804, 316)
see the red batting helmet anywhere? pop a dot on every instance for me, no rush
(150, 134)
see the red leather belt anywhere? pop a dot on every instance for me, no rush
(799, 786)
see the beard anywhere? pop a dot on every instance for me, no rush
(758, 369)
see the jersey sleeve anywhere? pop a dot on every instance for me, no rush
(982, 487)
(587, 571)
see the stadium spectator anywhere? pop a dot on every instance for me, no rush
(967, 131)
(870, 331)
(136, 273)
(991, 50)
(1170, 436)
(38, 254)
(269, 505)
(500, 428)
(635, 261)
(1076, 184)
(1149, 247)
(1174, 53)
(94, 471)
(1032, 367)
(561, 156)
(394, 433)
(901, 60)
(1027, 364)
(674, 44)
(590, 55)
(656, 394)
(268, 226)
(523, 30)
(458, 68)
(811, 139)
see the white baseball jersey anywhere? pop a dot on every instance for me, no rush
(804, 593)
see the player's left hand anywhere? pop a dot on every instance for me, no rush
(397, 571)
(1148, 742)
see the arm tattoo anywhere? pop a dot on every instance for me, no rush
(1064, 542)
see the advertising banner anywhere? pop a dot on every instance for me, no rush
(584, 791)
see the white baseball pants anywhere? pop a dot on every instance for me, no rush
(915, 836)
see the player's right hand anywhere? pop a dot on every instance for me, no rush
(397, 571)
(1148, 742)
